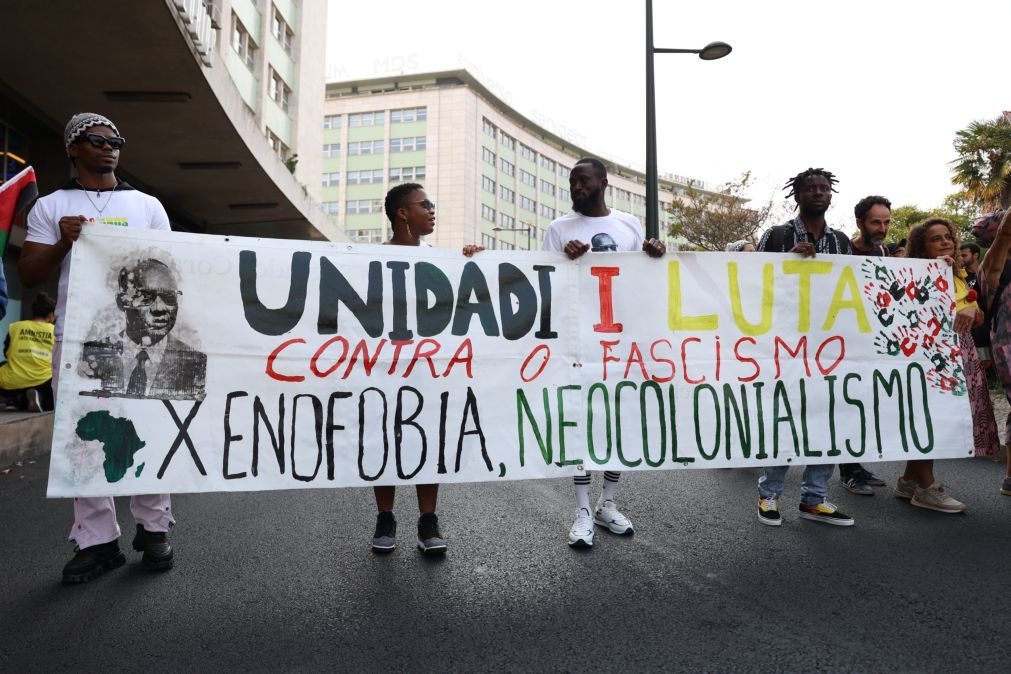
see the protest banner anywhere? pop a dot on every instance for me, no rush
(196, 363)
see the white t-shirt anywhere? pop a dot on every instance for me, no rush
(616, 231)
(124, 207)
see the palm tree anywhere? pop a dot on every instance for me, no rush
(983, 166)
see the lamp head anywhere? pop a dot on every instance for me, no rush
(715, 50)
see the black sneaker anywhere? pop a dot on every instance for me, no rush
(385, 538)
(869, 478)
(768, 511)
(90, 563)
(854, 484)
(155, 546)
(430, 541)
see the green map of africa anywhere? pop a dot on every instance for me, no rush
(119, 441)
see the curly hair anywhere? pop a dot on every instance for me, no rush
(916, 240)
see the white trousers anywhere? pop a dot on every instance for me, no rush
(95, 517)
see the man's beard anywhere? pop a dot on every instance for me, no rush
(584, 204)
(874, 241)
(813, 211)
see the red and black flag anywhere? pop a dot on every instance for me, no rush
(15, 195)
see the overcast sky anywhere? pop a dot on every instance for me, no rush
(873, 91)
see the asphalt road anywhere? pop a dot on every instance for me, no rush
(285, 581)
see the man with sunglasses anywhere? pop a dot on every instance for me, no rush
(94, 195)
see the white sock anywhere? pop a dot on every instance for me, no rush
(582, 484)
(610, 485)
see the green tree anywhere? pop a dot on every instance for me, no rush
(956, 207)
(983, 166)
(711, 220)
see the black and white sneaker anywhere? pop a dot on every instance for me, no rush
(385, 538)
(430, 541)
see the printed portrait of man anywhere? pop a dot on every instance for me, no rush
(601, 242)
(145, 360)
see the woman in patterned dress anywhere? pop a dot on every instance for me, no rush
(998, 299)
(936, 238)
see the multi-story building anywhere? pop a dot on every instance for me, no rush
(218, 100)
(498, 178)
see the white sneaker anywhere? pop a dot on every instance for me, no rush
(581, 533)
(607, 515)
(936, 498)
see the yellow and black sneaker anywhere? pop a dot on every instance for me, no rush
(827, 513)
(768, 511)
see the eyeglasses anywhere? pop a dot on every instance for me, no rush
(98, 141)
(427, 204)
(146, 298)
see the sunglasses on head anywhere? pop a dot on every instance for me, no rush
(98, 140)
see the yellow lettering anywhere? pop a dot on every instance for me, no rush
(743, 324)
(805, 268)
(675, 319)
(847, 281)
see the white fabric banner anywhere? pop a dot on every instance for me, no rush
(196, 363)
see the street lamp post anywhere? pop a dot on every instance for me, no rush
(711, 52)
(529, 229)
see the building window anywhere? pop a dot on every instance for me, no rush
(330, 207)
(365, 147)
(279, 92)
(528, 178)
(488, 213)
(408, 144)
(377, 118)
(547, 164)
(488, 155)
(488, 241)
(547, 211)
(407, 173)
(564, 170)
(408, 115)
(528, 204)
(242, 43)
(547, 187)
(332, 122)
(280, 29)
(507, 168)
(506, 220)
(488, 184)
(488, 128)
(363, 206)
(365, 177)
(332, 179)
(563, 195)
(280, 149)
(331, 150)
(507, 194)
(507, 142)
(527, 153)
(506, 246)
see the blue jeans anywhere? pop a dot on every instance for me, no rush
(813, 488)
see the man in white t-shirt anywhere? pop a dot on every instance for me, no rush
(93, 145)
(593, 227)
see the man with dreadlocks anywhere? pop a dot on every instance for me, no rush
(92, 143)
(807, 235)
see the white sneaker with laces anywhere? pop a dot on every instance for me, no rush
(581, 533)
(607, 515)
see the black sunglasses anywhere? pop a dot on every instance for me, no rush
(98, 140)
(427, 204)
